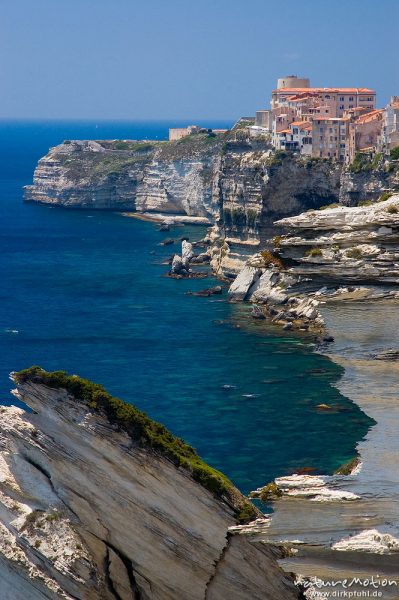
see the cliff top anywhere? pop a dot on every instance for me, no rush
(142, 430)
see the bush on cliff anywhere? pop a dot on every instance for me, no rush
(361, 163)
(137, 425)
(313, 252)
(271, 259)
(394, 154)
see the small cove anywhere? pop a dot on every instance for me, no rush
(86, 292)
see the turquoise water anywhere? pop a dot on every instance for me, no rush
(86, 292)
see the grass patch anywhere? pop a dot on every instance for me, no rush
(332, 205)
(392, 209)
(355, 253)
(366, 202)
(313, 252)
(143, 430)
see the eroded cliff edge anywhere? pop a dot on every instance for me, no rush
(99, 502)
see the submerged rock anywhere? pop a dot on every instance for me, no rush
(216, 290)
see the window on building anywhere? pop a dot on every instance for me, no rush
(341, 107)
(321, 129)
(341, 99)
(327, 96)
(350, 105)
(351, 99)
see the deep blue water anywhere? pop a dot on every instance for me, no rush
(85, 292)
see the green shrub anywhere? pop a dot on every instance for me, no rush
(120, 145)
(271, 491)
(143, 430)
(247, 513)
(384, 196)
(348, 468)
(392, 209)
(394, 154)
(314, 252)
(366, 202)
(355, 253)
(332, 205)
(361, 163)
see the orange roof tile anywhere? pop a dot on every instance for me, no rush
(338, 90)
(299, 123)
(373, 115)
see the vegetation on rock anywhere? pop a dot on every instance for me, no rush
(271, 491)
(355, 253)
(394, 154)
(143, 430)
(349, 467)
(271, 259)
(312, 252)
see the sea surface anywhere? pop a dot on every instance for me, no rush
(85, 291)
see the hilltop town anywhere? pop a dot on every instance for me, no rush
(329, 122)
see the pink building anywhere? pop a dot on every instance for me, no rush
(335, 100)
(365, 133)
(329, 137)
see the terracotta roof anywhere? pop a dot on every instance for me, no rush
(317, 118)
(325, 90)
(300, 123)
(284, 131)
(374, 115)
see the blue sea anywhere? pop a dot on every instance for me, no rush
(85, 291)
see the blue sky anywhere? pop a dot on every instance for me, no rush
(168, 59)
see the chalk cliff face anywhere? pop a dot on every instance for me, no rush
(345, 244)
(368, 185)
(230, 179)
(86, 512)
(258, 187)
(142, 176)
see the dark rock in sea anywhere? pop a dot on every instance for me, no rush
(164, 226)
(328, 338)
(257, 313)
(217, 289)
(288, 326)
(167, 242)
(201, 259)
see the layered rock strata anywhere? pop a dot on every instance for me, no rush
(344, 245)
(88, 511)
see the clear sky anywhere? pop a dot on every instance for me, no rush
(168, 59)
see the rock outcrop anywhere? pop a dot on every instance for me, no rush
(93, 505)
(170, 178)
(346, 245)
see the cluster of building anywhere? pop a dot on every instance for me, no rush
(328, 122)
